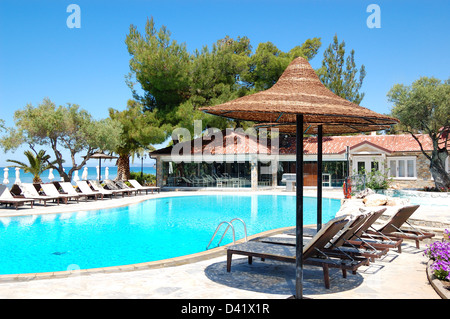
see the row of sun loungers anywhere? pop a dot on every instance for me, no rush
(64, 192)
(346, 242)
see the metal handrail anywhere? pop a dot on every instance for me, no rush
(243, 223)
(224, 222)
(230, 224)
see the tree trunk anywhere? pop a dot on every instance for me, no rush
(437, 162)
(437, 169)
(123, 167)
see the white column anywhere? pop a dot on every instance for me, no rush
(274, 165)
(254, 172)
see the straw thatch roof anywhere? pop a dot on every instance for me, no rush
(102, 156)
(299, 91)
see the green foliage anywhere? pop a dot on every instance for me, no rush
(375, 179)
(37, 164)
(145, 179)
(140, 128)
(268, 63)
(67, 127)
(424, 107)
(340, 74)
(176, 83)
(160, 66)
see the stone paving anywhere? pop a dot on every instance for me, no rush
(396, 276)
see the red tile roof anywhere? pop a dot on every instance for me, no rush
(338, 144)
(231, 144)
(239, 143)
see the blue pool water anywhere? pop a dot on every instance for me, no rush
(152, 230)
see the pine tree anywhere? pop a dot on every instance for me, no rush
(340, 74)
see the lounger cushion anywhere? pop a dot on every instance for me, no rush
(5, 193)
(322, 231)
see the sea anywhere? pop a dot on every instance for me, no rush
(92, 174)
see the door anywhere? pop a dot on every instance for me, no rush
(310, 174)
(363, 164)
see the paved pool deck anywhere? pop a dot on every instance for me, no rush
(396, 276)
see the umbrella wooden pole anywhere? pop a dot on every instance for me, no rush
(319, 176)
(299, 210)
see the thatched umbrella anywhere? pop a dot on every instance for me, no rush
(299, 98)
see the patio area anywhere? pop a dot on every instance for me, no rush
(397, 276)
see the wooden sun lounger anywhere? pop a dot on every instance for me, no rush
(341, 243)
(313, 252)
(375, 245)
(287, 254)
(392, 228)
(349, 242)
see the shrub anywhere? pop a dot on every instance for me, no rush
(433, 189)
(374, 179)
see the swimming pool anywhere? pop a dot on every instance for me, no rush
(155, 229)
(434, 199)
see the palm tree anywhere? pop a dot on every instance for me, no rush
(37, 164)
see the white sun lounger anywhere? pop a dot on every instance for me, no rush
(86, 189)
(113, 186)
(99, 188)
(50, 190)
(29, 191)
(69, 189)
(139, 187)
(7, 198)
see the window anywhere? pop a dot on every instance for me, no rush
(361, 167)
(366, 164)
(402, 167)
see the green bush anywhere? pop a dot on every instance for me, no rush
(377, 180)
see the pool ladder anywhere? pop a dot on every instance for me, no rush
(230, 224)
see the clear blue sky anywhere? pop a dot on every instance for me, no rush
(41, 57)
